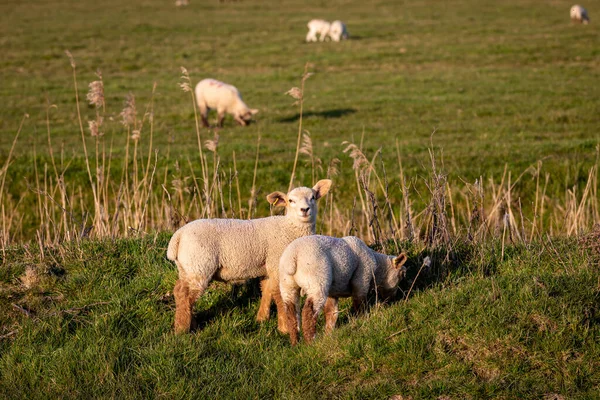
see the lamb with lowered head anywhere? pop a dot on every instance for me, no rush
(579, 14)
(327, 268)
(214, 94)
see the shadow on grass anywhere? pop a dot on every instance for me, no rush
(328, 114)
(240, 297)
(447, 263)
(351, 38)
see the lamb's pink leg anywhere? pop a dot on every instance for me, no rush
(221, 118)
(264, 310)
(282, 325)
(203, 113)
(204, 121)
(331, 314)
(309, 321)
(185, 298)
(292, 321)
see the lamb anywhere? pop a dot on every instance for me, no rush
(317, 26)
(232, 250)
(214, 94)
(326, 268)
(338, 31)
(579, 14)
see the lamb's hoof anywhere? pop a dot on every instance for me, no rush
(181, 330)
(283, 330)
(262, 317)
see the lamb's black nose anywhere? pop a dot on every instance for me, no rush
(304, 210)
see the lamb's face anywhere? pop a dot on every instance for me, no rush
(247, 115)
(301, 203)
(395, 272)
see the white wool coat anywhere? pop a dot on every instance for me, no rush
(234, 250)
(317, 26)
(224, 98)
(579, 14)
(323, 266)
(338, 31)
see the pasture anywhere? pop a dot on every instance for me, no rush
(462, 130)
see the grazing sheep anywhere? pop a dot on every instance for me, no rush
(338, 31)
(317, 26)
(213, 94)
(326, 268)
(232, 250)
(579, 14)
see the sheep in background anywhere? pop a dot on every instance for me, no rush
(326, 268)
(579, 14)
(214, 94)
(181, 3)
(317, 26)
(232, 250)
(338, 31)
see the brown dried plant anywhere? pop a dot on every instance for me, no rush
(298, 94)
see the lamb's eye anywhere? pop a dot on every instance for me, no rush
(313, 198)
(291, 201)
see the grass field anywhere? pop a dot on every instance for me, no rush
(502, 86)
(486, 115)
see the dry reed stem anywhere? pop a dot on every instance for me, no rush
(135, 206)
(252, 200)
(298, 94)
(237, 185)
(79, 119)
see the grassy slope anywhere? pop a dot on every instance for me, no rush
(521, 327)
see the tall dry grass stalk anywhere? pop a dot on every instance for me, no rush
(298, 94)
(252, 200)
(7, 210)
(384, 207)
(186, 86)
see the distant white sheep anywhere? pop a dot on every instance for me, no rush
(326, 268)
(317, 26)
(579, 14)
(338, 31)
(214, 94)
(232, 250)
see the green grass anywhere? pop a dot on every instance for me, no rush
(483, 326)
(502, 85)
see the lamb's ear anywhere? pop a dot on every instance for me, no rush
(277, 199)
(253, 111)
(400, 260)
(322, 188)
